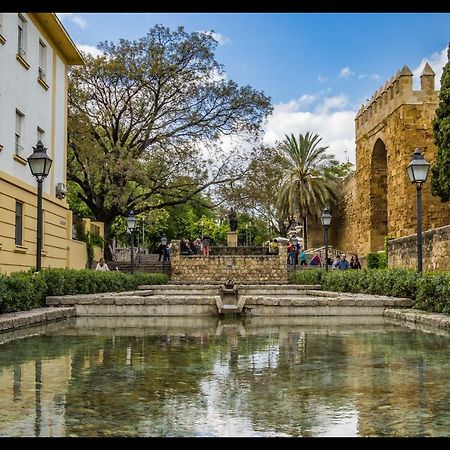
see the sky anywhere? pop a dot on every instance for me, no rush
(317, 68)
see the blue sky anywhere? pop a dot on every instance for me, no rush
(318, 68)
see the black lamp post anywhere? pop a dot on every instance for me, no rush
(164, 250)
(40, 164)
(131, 225)
(418, 171)
(326, 220)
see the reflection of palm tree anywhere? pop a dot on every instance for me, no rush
(308, 184)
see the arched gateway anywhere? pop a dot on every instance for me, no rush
(379, 200)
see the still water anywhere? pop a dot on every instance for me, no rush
(317, 376)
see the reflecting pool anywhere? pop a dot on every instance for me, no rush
(303, 376)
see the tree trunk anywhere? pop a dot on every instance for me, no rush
(305, 235)
(107, 250)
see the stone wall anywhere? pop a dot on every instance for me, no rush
(380, 200)
(238, 268)
(435, 250)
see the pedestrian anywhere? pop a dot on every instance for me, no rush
(354, 262)
(205, 245)
(342, 263)
(102, 266)
(303, 258)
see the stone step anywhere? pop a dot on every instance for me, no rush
(180, 288)
(230, 309)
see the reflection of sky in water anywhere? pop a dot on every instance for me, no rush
(341, 422)
(342, 379)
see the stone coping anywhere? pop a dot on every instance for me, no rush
(11, 321)
(302, 298)
(417, 316)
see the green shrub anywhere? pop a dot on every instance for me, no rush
(433, 292)
(377, 260)
(21, 291)
(309, 276)
(26, 290)
(430, 291)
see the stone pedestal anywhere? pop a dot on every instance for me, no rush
(232, 239)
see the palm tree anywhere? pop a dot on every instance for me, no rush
(309, 182)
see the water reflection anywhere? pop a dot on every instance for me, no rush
(303, 376)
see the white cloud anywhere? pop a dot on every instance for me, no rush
(322, 79)
(331, 118)
(345, 72)
(220, 38)
(94, 51)
(437, 61)
(373, 76)
(75, 18)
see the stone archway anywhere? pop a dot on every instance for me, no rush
(378, 196)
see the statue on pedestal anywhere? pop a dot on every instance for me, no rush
(233, 219)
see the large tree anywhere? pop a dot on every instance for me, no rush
(142, 116)
(440, 171)
(310, 180)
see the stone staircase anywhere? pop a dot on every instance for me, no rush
(142, 263)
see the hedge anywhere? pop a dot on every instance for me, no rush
(22, 291)
(430, 292)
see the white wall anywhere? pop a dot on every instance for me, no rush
(19, 89)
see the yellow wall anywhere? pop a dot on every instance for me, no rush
(77, 255)
(59, 250)
(95, 228)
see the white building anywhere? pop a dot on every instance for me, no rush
(35, 51)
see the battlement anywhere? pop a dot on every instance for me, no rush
(395, 92)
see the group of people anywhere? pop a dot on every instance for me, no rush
(195, 247)
(296, 254)
(341, 263)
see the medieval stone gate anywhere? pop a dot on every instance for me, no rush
(378, 199)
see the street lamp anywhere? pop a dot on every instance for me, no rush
(164, 250)
(326, 220)
(40, 164)
(418, 171)
(131, 225)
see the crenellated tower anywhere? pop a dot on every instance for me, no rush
(388, 128)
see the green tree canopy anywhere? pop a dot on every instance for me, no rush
(141, 116)
(440, 171)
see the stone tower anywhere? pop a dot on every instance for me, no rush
(379, 200)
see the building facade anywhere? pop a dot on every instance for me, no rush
(35, 52)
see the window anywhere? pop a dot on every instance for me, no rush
(19, 127)
(42, 60)
(19, 221)
(21, 36)
(40, 135)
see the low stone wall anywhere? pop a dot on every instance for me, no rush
(13, 321)
(435, 249)
(238, 268)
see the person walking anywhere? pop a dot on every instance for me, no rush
(354, 262)
(303, 258)
(342, 263)
(205, 245)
